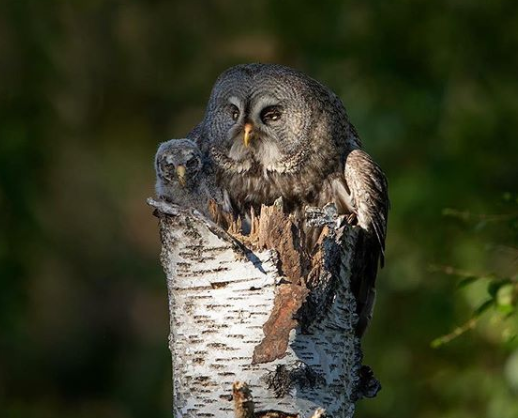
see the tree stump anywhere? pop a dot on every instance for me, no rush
(261, 318)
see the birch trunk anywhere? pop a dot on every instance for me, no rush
(239, 313)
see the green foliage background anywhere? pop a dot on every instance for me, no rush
(88, 88)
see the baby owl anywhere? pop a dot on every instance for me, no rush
(185, 178)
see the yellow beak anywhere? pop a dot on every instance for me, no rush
(248, 130)
(180, 171)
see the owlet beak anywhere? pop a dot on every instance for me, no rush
(180, 171)
(248, 133)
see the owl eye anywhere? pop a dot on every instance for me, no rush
(234, 111)
(192, 163)
(271, 114)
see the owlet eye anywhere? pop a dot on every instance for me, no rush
(271, 114)
(192, 163)
(234, 111)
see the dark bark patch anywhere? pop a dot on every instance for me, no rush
(219, 285)
(284, 379)
(244, 404)
(368, 386)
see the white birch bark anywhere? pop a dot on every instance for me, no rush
(220, 297)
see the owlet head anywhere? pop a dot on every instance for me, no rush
(178, 163)
(262, 113)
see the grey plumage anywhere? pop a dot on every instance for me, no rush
(186, 178)
(274, 132)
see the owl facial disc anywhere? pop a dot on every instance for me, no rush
(178, 163)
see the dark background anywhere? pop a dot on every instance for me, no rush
(89, 88)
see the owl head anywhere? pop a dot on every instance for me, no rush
(270, 116)
(178, 163)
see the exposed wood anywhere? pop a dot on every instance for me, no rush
(243, 401)
(287, 303)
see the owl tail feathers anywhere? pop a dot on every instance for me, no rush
(365, 270)
(365, 315)
(380, 238)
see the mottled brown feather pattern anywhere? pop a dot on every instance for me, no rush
(369, 192)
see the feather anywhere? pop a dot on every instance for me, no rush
(369, 190)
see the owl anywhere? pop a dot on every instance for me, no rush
(275, 132)
(185, 178)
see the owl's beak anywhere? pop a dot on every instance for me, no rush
(248, 133)
(180, 171)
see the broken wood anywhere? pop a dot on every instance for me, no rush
(263, 309)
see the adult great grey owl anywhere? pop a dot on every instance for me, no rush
(187, 179)
(275, 132)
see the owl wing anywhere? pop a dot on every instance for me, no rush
(368, 194)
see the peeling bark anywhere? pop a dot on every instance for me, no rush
(262, 309)
(287, 303)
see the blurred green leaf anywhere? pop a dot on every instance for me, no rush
(505, 309)
(467, 281)
(494, 286)
(505, 294)
(483, 307)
